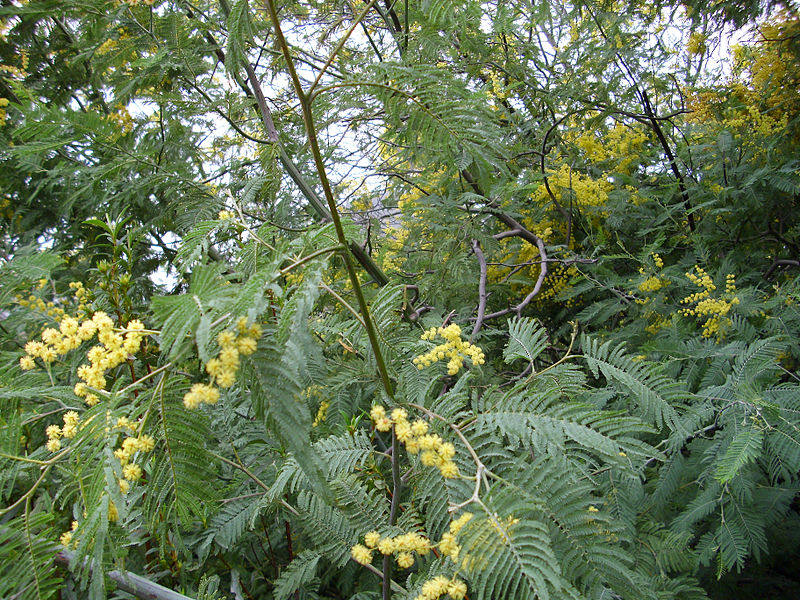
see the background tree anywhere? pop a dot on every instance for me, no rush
(454, 298)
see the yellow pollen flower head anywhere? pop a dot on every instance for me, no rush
(132, 472)
(361, 554)
(405, 560)
(377, 412)
(456, 589)
(386, 546)
(246, 345)
(372, 539)
(226, 339)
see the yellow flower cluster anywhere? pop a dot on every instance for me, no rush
(394, 241)
(652, 284)
(49, 308)
(66, 537)
(113, 350)
(559, 276)
(322, 413)
(68, 431)
(125, 453)
(455, 349)
(713, 310)
(585, 191)
(439, 586)
(200, 393)
(433, 451)
(448, 545)
(223, 368)
(402, 546)
(224, 215)
(622, 144)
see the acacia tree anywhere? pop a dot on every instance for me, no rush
(466, 299)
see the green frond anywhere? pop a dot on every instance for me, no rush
(526, 340)
(655, 394)
(743, 448)
(297, 574)
(27, 550)
(180, 473)
(508, 552)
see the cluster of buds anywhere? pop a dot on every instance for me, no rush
(68, 431)
(448, 545)
(223, 368)
(433, 451)
(402, 546)
(713, 310)
(454, 349)
(113, 350)
(439, 586)
(126, 452)
(66, 537)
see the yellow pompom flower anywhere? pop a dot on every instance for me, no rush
(449, 469)
(405, 560)
(419, 427)
(145, 443)
(372, 539)
(26, 363)
(246, 346)
(383, 424)
(377, 413)
(132, 472)
(199, 394)
(429, 458)
(226, 339)
(399, 415)
(226, 378)
(457, 589)
(361, 554)
(71, 418)
(53, 445)
(386, 546)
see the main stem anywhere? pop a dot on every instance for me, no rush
(308, 121)
(396, 485)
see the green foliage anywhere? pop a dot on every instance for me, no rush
(245, 309)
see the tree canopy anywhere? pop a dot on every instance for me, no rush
(426, 299)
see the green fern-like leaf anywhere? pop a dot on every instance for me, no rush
(527, 339)
(745, 447)
(655, 393)
(298, 573)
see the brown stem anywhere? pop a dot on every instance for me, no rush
(476, 247)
